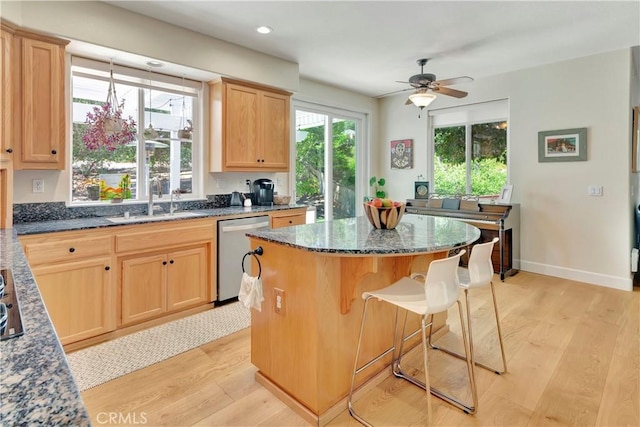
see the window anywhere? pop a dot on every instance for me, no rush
(169, 104)
(470, 149)
(326, 173)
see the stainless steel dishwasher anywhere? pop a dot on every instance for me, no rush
(232, 245)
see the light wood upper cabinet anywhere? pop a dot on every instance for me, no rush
(249, 127)
(39, 120)
(6, 94)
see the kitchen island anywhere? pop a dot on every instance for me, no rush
(303, 341)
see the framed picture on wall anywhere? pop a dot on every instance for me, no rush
(402, 154)
(568, 145)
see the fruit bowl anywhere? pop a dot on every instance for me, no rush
(384, 217)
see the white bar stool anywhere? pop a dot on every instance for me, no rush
(480, 275)
(439, 291)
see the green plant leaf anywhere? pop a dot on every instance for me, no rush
(381, 182)
(372, 181)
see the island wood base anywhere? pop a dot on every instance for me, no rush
(305, 352)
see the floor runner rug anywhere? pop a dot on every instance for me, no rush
(104, 362)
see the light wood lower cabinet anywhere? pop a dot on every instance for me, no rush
(79, 296)
(159, 283)
(289, 218)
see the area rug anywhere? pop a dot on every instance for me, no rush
(104, 362)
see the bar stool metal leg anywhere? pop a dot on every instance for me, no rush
(469, 326)
(357, 370)
(400, 373)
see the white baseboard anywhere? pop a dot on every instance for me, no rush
(621, 283)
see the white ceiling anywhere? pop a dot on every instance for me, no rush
(366, 46)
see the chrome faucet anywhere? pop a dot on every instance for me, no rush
(175, 192)
(150, 202)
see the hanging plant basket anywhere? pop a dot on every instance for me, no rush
(106, 127)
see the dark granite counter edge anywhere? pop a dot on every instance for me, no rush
(359, 252)
(36, 382)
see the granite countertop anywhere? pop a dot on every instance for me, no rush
(356, 236)
(100, 222)
(36, 384)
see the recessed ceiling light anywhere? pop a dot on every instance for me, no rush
(155, 64)
(264, 29)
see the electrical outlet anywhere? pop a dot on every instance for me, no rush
(38, 185)
(278, 300)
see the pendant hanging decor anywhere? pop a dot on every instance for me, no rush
(185, 131)
(150, 133)
(105, 126)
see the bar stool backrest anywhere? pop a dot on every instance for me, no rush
(442, 286)
(480, 264)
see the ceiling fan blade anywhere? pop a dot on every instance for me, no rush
(453, 81)
(395, 91)
(451, 92)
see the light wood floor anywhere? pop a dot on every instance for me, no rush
(573, 353)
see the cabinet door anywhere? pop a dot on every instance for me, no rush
(274, 131)
(6, 96)
(80, 298)
(43, 111)
(241, 127)
(143, 287)
(187, 278)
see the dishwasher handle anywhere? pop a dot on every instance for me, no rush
(254, 226)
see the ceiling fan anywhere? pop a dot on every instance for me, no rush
(426, 87)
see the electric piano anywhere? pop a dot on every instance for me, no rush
(493, 219)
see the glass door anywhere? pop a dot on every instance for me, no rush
(326, 172)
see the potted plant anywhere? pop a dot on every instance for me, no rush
(105, 125)
(377, 184)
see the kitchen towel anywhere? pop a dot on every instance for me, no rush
(251, 292)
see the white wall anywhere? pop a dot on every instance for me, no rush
(564, 232)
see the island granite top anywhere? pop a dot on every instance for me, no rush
(356, 236)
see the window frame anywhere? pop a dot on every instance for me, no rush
(466, 115)
(92, 69)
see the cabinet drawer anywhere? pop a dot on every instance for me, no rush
(288, 221)
(66, 250)
(162, 238)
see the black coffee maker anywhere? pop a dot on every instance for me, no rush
(263, 192)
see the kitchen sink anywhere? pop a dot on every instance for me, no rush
(155, 217)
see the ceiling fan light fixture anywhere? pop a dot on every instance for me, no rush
(422, 99)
